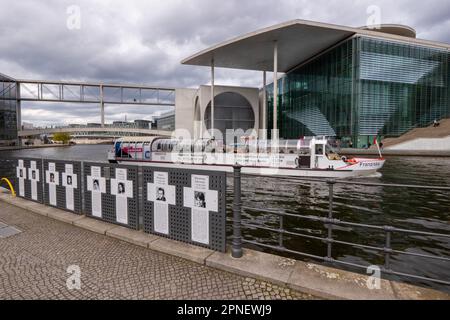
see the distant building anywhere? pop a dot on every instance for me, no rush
(166, 121)
(94, 125)
(76, 125)
(123, 124)
(9, 111)
(27, 126)
(143, 124)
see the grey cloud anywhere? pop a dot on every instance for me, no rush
(144, 41)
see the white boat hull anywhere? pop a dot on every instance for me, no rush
(291, 172)
(312, 158)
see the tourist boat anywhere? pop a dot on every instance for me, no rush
(308, 157)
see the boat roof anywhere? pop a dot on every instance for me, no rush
(140, 139)
(152, 138)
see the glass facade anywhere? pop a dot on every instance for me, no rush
(362, 88)
(8, 111)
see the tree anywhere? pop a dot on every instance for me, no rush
(62, 137)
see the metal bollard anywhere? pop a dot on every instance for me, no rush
(236, 248)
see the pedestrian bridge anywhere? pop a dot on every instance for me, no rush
(96, 130)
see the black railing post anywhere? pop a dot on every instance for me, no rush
(236, 248)
(280, 235)
(82, 186)
(330, 183)
(387, 248)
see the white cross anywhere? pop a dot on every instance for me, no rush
(97, 185)
(201, 200)
(34, 177)
(21, 174)
(70, 182)
(161, 194)
(52, 179)
(122, 189)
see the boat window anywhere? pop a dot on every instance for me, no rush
(262, 146)
(319, 149)
(304, 142)
(117, 148)
(122, 148)
(291, 146)
(304, 151)
(155, 145)
(331, 153)
(165, 146)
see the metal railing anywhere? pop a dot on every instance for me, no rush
(328, 223)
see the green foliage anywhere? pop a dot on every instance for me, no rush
(62, 137)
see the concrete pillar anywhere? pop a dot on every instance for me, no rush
(102, 107)
(18, 111)
(212, 96)
(275, 86)
(264, 106)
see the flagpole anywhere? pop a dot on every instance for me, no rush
(378, 146)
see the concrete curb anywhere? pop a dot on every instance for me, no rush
(333, 283)
(94, 225)
(132, 236)
(255, 264)
(321, 281)
(181, 250)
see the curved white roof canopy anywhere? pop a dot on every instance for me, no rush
(298, 41)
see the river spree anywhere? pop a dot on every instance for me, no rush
(425, 210)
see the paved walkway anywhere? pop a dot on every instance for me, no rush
(33, 265)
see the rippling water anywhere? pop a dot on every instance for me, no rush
(425, 210)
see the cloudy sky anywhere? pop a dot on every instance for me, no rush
(143, 42)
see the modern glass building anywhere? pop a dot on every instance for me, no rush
(351, 83)
(8, 111)
(362, 88)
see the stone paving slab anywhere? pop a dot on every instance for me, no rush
(34, 266)
(132, 236)
(8, 231)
